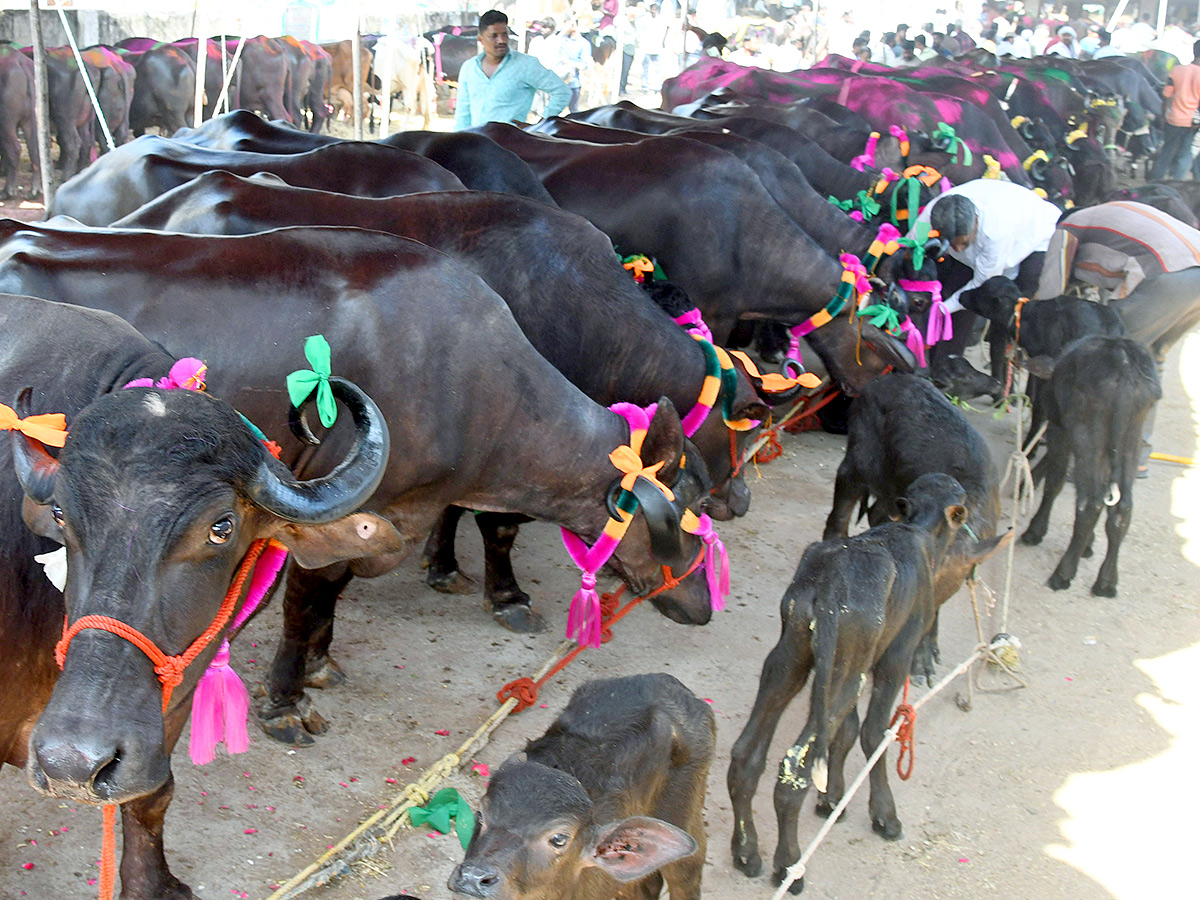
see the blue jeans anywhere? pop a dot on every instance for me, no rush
(1176, 153)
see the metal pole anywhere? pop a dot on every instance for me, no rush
(1162, 17)
(42, 101)
(1117, 13)
(357, 74)
(201, 66)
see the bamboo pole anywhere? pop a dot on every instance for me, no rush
(201, 65)
(42, 102)
(357, 73)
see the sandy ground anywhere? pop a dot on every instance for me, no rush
(1075, 788)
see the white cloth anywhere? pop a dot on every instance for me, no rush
(1013, 223)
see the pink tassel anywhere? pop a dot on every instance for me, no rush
(941, 326)
(716, 563)
(887, 233)
(583, 619)
(866, 159)
(915, 342)
(219, 711)
(856, 216)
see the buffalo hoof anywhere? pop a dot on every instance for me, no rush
(453, 582)
(1057, 582)
(924, 666)
(1031, 538)
(888, 829)
(797, 885)
(1104, 589)
(293, 725)
(323, 673)
(825, 808)
(748, 863)
(519, 616)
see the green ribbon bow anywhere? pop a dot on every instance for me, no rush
(882, 316)
(912, 191)
(866, 204)
(918, 237)
(302, 382)
(953, 142)
(446, 804)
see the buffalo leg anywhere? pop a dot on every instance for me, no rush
(849, 489)
(783, 675)
(887, 678)
(508, 603)
(144, 872)
(439, 559)
(1054, 466)
(1088, 504)
(1115, 527)
(839, 749)
(308, 605)
(926, 657)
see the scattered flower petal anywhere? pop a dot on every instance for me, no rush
(408, 760)
(442, 731)
(481, 769)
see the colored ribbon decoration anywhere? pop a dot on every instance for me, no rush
(445, 805)
(639, 266)
(716, 575)
(882, 316)
(954, 143)
(1034, 157)
(49, 428)
(902, 136)
(866, 159)
(302, 382)
(693, 323)
(993, 166)
(186, 374)
(868, 206)
(914, 341)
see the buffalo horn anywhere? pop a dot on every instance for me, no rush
(36, 469)
(343, 490)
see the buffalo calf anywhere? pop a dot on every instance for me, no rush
(610, 795)
(1099, 394)
(856, 605)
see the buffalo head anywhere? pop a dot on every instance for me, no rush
(157, 495)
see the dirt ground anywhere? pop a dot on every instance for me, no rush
(1077, 788)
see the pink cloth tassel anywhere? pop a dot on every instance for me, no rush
(856, 216)
(693, 322)
(866, 159)
(219, 711)
(941, 326)
(793, 351)
(915, 342)
(887, 233)
(716, 563)
(583, 619)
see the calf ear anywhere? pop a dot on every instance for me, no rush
(664, 442)
(904, 507)
(1040, 366)
(633, 848)
(984, 549)
(956, 515)
(361, 534)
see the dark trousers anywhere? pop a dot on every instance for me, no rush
(626, 65)
(1176, 153)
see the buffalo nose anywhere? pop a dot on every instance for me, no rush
(475, 881)
(71, 768)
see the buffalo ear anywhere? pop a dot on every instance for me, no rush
(358, 535)
(956, 515)
(664, 442)
(1040, 366)
(905, 508)
(633, 848)
(40, 521)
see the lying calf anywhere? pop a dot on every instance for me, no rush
(901, 428)
(1095, 405)
(611, 794)
(856, 605)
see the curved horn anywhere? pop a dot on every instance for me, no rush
(1037, 171)
(1026, 130)
(298, 425)
(668, 542)
(344, 489)
(36, 469)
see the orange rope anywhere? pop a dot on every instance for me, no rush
(525, 690)
(169, 670)
(904, 737)
(805, 420)
(772, 450)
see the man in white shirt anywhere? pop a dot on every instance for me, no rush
(1064, 44)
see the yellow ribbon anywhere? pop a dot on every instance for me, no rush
(993, 166)
(49, 428)
(1033, 157)
(1018, 121)
(626, 459)
(1078, 133)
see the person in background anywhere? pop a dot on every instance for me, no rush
(921, 49)
(543, 46)
(1106, 48)
(901, 37)
(1064, 44)
(1089, 44)
(499, 84)
(908, 56)
(652, 41)
(574, 56)
(882, 53)
(628, 46)
(1182, 101)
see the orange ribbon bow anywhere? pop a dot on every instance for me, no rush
(49, 428)
(773, 382)
(627, 460)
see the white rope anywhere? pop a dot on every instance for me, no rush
(796, 871)
(223, 99)
(87, 82)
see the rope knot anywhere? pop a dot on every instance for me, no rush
(588, 580)
(523, 690)
(170, 672)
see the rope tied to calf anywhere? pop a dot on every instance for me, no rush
(907, 717)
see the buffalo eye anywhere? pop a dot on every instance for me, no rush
(221, 530)
(56, 513)
(558, 841)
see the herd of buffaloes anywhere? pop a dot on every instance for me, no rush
(131, 320)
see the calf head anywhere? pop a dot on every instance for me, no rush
(995, 300)
(538, 832)
(938, 503)
(157, 496)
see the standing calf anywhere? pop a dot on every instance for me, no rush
(610, 794)
(900, 429)
(1100, 391)
(856, 605)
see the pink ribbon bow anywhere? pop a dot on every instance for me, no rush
(717, 575)
(693, 322)
(186, 374)
(914, 341)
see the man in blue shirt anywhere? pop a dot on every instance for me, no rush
(499, 84)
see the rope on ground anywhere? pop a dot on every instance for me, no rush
(802, 411)
(796, 871)
(369, 837)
